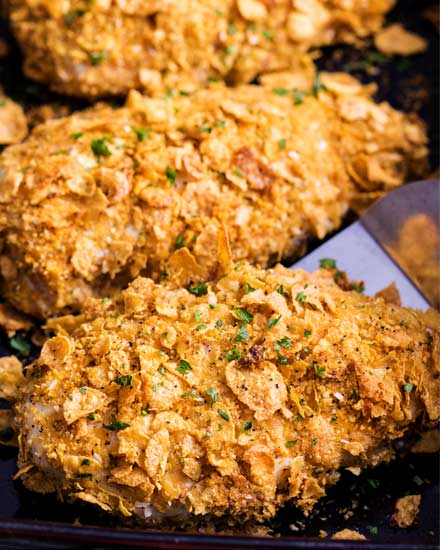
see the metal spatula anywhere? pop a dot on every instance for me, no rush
(396, 241)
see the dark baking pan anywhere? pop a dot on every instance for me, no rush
(364, 503)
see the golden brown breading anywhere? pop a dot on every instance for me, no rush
(89, 202)
(111, 46)
(225, 399)
(13, 124)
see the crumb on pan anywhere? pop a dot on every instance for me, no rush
(406, 512)
(348, 534)
(13, 124)
(429, 442)
(395, 39)
(11, 376)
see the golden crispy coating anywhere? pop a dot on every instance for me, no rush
(90, 201)
(225, 399)
(111, 46)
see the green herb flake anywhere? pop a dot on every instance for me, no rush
(282, 360)
(281, 290)
(197, 315)
(171, 174)
(191, 394)
(307, 332)
(142, 133)
(82, 475)
(403, 324)
(282, 143)
(99, 147)
(200, 289)
(268, 35)
(155, 387)
(243, 315)
(162, 371)
(314, 442)
(220, 123)
(184, 367)
(116, 426)
(124, 380)
(281, 91)
(285, 342)
(83, 390)
(298, 97)
(213, 394)
(358, 287)
(232, 29)
(247, 425)
(290, 443)
(373, 530)
(320, 371)
(318, 86)
(97, 57)
(144, 412)
(248, 288)
(19, 344)
(180, 242)
(375, 483)
(219, 323)
(201, 327)
(76, 135)
(327, 263)
(242, 333)
(91, 416)
(301, 297)
(205, 129)
(333, 420)
(408, 388)
(85, 462)
(223, 414)
(273, 322)
(355, 395)
(232, 354)
(238, 172)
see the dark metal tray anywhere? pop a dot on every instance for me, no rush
(364, 503)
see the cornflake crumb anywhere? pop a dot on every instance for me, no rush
(406, 511)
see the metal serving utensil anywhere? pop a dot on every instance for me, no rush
(396, 241)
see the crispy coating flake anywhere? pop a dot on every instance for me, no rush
(90, 201)
(13, 124)
(111, 46)
(226, 403)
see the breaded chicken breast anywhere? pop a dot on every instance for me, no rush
(108, 47)
(225, 398)
(91, 201)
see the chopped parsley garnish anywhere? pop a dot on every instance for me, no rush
(180, 242)
(375, 483)
(197, 315)
(355, 395)
(281, 91)
(97, 57)
(124, 380)
(408, 388)
(242, 333)
(320, 371)
(243, 314)
(281, 290)
(184, 367)
(220, 123)
(116, 425)
(403, 324)
(205, 129)
(191, 394)
(200, 289)
(291, 443)
(314, 442)
(333, 420)
(232, 29)
(154, 387)
(142, 133)
(163, 275)
(247, 425)
(83, 390)
(223, 414)
(76, 135)
(219, 323)
(162, 371)
(20, 344)
(358, 287)
(327, 263)
(85, 462)
(201, 327)
(298, 97)
(238, 172)
(301, 297)
(91, 416)
(318, 86)
(273, 322)
(373, 530)
(232, 354)
(99, 147)
(285, 342)
(282, 143)
(213, 394)
(282, 360)
(171, 174)
(248, 288)
(307, 332)
(268, 35)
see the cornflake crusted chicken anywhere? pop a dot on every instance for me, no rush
(109, 47)
(90, 201)
(228, 399)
